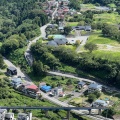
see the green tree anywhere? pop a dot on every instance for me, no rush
(109, 112)
(67, 30)
(91, 98)
(9, 46)
(38, 68)
(90, 47)
(97, 94)
(1, 61)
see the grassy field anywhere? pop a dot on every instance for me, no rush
(85, 7)
(0, 44)
(73, 47)
(97, 38)
(110, 18)
(72, 24)
(112, 56)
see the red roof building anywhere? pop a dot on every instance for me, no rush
(32, 87)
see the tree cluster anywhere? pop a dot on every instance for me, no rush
(21, 17)
(75, 4)
(53, 57)
(111, 31)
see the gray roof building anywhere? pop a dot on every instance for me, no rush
(94, 86)
(61, 41)
(52, 43)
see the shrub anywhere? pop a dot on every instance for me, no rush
(91, 98)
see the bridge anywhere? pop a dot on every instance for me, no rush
(46, 109)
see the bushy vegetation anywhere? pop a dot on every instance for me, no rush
(11, 97)
(19, 21)
(105, 69)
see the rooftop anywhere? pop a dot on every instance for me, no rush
(34, 87)
(81, 83)
(95, 86)
(11, 68)
(52, 43)
(2, 110)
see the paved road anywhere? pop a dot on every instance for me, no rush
(57, 5)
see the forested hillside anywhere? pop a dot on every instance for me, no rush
(20, 21)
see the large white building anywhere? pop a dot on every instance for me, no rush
(9, 116)
(2, 114)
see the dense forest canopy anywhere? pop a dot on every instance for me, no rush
(21, 17)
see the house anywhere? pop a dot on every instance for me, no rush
(23, 116)
(2, 113)
(32, 90)
(57, 91)
(45, 88)
(81, 84)
(11, 71)
(100, 103)
(16, 82)
(61, 41)
(9, 116)
(94, 87)
(52, 43)
(22, 87)
(85, 28)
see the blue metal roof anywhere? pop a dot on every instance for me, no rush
(46, 88)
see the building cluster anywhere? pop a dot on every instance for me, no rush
(25, 87)
(4, 115)
(57, 40)
(49, 7)
(57, 91)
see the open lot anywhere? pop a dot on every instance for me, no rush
(71, 24)
(112, 56)
(97, 38)
(110, 18)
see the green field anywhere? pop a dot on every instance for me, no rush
(85, 7)
(112, 56)
(97, 38)
(110, 18)
(72, 24)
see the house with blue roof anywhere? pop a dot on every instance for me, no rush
(94, 87)
(45, 88)
(100, 103)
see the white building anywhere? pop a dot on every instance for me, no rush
(23, 116)
(2, 114)
(9, 116)
(100, 103)
(58, 91)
